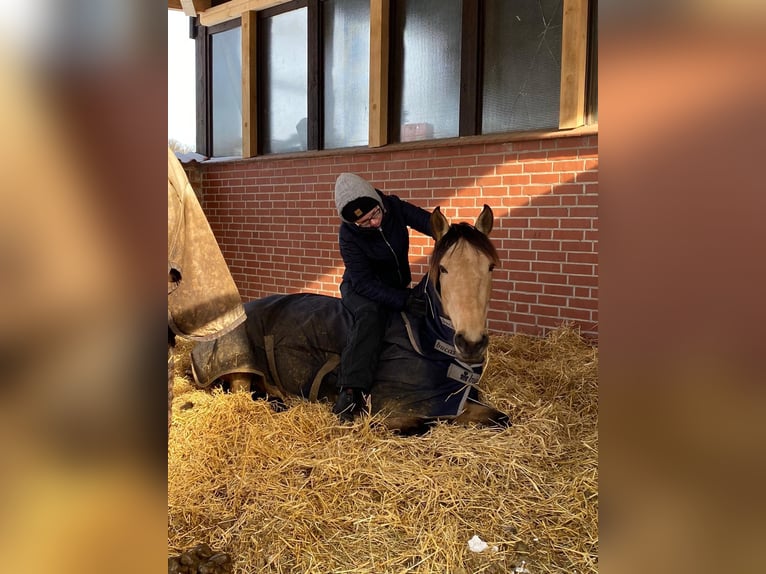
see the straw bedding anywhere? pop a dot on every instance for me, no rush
(295, 491)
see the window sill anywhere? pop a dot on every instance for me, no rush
(587, 130)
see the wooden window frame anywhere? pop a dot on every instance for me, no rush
(578, 97)
(574, 61)
(204, 87)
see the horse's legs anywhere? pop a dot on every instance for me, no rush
(238, 382)
(408, 425)
(483, 415)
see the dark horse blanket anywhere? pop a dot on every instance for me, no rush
(295, 341)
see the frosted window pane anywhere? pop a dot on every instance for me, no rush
(430, 97)
(227, 93)
(286, 83)
(347, 73)
(522, 65)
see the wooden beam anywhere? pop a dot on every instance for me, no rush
(249, 85)
(573, 63)
(379, 52)
(194, 7)
(174, 5)
(234, 9)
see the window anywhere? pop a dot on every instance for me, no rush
(522, 65)
(219, 94)
(226, 94)
(443, 68)
(285, 81)
(314, 79)
(346, 43)
(427, 69)
(475, 67)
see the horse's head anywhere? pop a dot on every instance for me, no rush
(461, 267)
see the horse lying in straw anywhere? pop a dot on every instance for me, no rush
(429, 367)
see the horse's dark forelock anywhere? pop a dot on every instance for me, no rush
(455, 233)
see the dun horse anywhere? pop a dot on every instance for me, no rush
(429, 368)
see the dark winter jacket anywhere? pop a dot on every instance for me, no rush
(377, 259)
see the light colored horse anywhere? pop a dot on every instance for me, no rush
(461, 268)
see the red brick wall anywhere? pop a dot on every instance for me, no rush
(276, 222)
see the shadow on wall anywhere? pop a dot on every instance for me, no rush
(276, 222)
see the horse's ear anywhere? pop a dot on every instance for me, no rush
(485, 220)
(439, 223)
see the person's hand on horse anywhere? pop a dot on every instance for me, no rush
(416, 304)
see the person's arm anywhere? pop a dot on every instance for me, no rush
(416, 217)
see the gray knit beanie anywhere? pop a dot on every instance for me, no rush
(354, 196)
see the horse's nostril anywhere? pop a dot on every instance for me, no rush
(470, 349)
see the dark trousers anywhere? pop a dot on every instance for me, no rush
(365, 339)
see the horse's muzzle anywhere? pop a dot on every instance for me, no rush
(471, 351)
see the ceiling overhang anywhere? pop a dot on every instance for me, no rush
(213, 12)
(190, 7)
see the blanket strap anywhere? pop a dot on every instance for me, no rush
(268, 341)
(329, 365)
(410, 334)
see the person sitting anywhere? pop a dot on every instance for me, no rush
(374, 244)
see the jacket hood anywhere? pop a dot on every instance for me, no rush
(349, 187)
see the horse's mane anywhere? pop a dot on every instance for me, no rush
(461, 232)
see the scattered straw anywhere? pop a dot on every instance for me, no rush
(297, 492)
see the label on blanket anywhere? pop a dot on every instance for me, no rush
(444, 347)
(458, 373)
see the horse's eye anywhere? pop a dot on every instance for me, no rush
(491, 266)
(442, 269)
